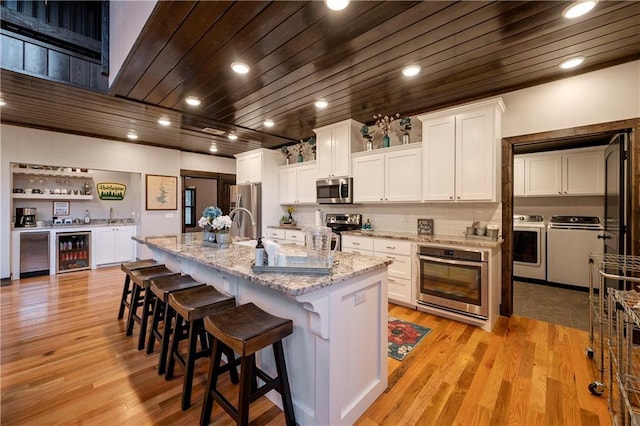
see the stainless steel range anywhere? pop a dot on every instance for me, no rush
(341, 222)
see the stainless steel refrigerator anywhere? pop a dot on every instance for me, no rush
(248, 196)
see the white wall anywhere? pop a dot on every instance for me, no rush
(126, 20)
(33, 146)
(601, 96)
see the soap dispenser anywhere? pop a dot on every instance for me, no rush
(87, 218)
(259, 253)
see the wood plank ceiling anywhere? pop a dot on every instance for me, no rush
(301, 51)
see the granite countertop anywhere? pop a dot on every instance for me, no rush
(438, 239)
(237, 260)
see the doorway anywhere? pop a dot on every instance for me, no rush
(546, 140)
(202, 189)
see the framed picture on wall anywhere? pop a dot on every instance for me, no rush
(161, 192)
(61, 208)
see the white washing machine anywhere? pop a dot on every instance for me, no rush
(529, 247)
(570, 240)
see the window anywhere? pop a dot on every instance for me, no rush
(190, 207)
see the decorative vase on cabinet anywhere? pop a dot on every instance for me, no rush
(386, 141)
(405, 138)
(300, 158)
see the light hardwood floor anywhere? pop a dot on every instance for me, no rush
(65, 360)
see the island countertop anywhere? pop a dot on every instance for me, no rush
(237, 260)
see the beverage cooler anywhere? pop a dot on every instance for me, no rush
(74, 251)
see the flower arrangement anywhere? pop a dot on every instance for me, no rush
(366, 133)
(221, 224)
(384, 123)
(312, 144)
(289, 219)
(285, 151)
(209, 214)
(405, 124)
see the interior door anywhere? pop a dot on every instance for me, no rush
(614, 200)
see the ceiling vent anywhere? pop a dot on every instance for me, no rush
(213, 131)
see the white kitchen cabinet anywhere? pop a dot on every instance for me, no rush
(400, 276)
(518, 177)
(355, 244)
(298, 183)
(583, 172)
(392, 175)
(566, 172)
(368, 178)
(334, 147)
(249, 167)
(287, 236)
(460, 153)
(113, 244)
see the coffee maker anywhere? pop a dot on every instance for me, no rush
(25, 217)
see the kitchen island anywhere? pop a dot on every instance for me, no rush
(337, 354)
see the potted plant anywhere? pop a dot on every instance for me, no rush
(367, 135)
(405, 125)
(221, 226)
(209, 214)
(384, 123)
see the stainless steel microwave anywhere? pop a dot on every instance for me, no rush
(334, 191)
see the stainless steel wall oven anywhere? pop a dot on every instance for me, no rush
(453, 279)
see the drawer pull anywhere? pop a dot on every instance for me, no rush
(391, 257)
(391, 247)
(390, 280)
(356, 243)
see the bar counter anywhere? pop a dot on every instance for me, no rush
(337, 354)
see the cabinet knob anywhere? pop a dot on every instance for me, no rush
(458, 197)
(451, 198)
(559, 192)
(380, 199)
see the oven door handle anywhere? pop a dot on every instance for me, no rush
(451, 261)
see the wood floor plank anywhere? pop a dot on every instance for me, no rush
(65, 360)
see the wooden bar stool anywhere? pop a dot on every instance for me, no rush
(247, 329)
(191, 307)
(161, 288)
(141, 298)
(127, 268)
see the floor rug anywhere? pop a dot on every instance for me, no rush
(403, 337)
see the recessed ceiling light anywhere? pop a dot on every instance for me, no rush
(163, 121)
(268, 123)
(337, 4)
(2, 102)
(571, 62)
(321, 103)
(578, 8)
(411, 70)
(192, 100)
(240, 67)
(132, 135)
(213, 148)
(232, 136)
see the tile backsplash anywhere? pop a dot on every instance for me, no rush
(449, 219)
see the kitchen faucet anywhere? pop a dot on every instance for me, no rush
(110, 215)
(253, 222)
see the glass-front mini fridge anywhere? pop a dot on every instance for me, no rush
(74, 251)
